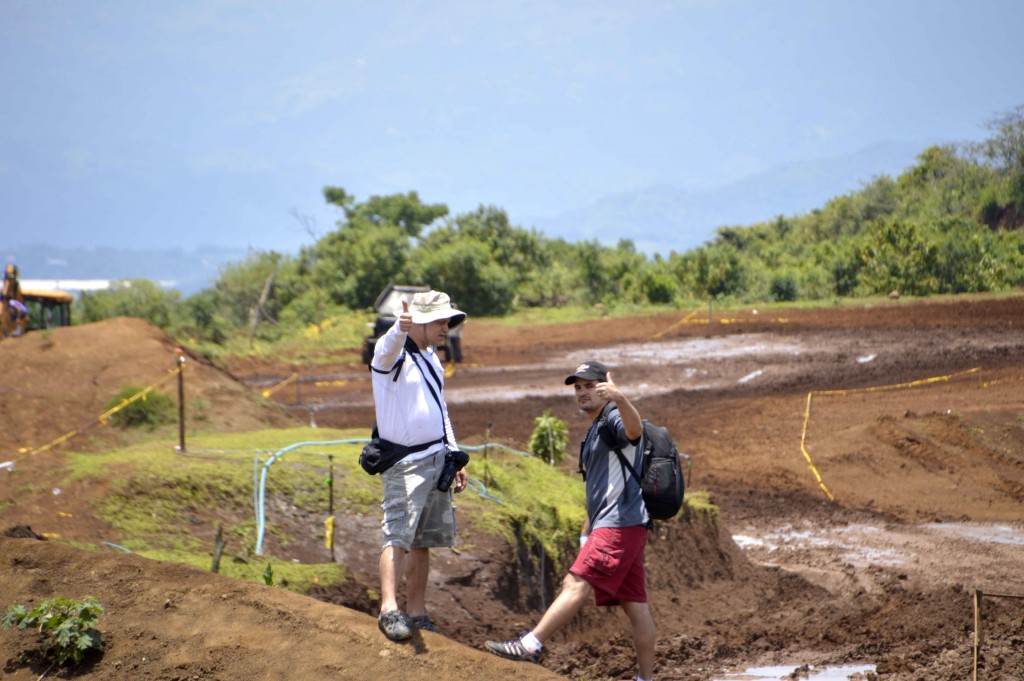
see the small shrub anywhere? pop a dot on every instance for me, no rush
(549, 438)
(988, 207)
(65, 627)
(784, 288)
(152, 409)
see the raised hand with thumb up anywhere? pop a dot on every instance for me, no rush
(405, 319)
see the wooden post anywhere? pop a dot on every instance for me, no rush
(218, 549)
(181, 400)
(977, 629)
(330, 501)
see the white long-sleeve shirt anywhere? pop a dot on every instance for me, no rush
(407, 414)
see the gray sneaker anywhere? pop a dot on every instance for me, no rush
(394, 625)
(512, 650)
(423, 622)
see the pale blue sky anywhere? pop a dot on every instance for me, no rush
(140, 124)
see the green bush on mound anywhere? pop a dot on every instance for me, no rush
(151, 409)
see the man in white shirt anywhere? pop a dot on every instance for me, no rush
(412, 417)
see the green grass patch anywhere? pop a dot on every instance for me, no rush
(699, 503)
(163, 502)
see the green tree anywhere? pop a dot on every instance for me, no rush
(247, 292)
(466, 271)
(404, 211)
(719, 271)
(201, 318)
(1005, 149)
(140, 298)
(898, 257)
(370, 248)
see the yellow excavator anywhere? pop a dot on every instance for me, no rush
(23, 309)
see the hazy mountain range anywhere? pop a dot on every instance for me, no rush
(658, 219)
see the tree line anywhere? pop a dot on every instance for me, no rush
(951, 223)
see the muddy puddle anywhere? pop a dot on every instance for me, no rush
(864, 544)
(786, 672)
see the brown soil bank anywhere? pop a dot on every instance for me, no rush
(912, 413)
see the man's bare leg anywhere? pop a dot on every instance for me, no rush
(417, 570)
(644, 636)
(575, 592)
(391, 559)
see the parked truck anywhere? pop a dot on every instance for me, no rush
(387, 306)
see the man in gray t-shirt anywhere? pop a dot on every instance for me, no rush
(610, 563)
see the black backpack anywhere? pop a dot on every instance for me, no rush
(661, 475)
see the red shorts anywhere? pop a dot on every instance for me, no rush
(612, 561)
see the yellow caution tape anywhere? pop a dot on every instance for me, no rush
(329, 534)
(102, 418)
(810, 395)
(679, 323)
(721, 320)
(270, 391)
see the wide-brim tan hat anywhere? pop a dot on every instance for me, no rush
(431, 306)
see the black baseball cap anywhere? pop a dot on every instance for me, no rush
(591, 370)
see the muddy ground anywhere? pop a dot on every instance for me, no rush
(912, 414)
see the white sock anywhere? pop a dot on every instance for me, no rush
(531, 643)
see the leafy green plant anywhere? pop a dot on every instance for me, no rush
(152, 409)
(65, 626)
(549, 438)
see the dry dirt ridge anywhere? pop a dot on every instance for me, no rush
(927, 478)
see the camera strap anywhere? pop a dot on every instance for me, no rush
(413, 350)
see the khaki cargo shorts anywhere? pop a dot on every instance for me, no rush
(416, 514)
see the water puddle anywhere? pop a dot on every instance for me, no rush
(787, 672)
(692, 349)
(848, 541)
(993, 534)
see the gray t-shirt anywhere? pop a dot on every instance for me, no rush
(614, 498)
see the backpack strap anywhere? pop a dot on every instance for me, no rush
(605, 433)
(606, 436)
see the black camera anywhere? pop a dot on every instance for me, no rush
(453, 463)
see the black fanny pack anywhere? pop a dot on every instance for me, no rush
(379, 455)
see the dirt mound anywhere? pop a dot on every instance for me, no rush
(57, 382)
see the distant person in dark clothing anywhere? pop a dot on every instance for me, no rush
(19, 316)
(455, 342)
